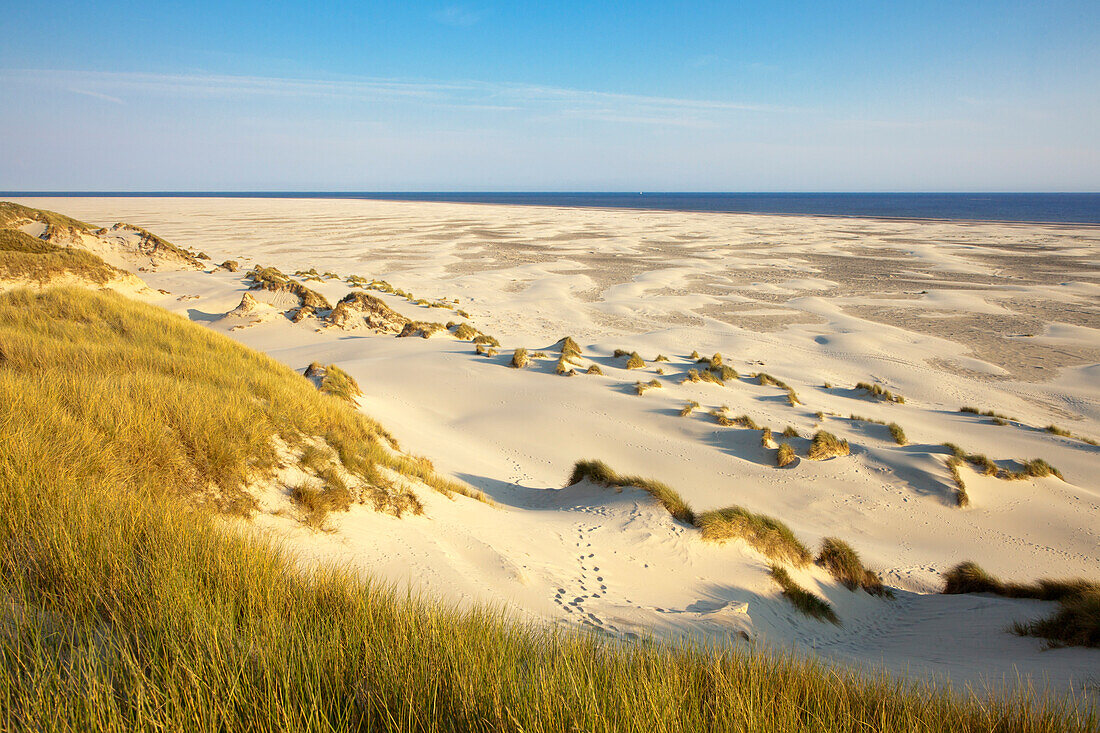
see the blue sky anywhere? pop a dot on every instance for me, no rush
(722, 96)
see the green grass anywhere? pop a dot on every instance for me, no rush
(802, 599)
(844, 564)
(767, 535)
(1077, 621)
(600, 473)
(25, 258)
(826, 445)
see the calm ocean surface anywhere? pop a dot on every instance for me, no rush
(1025, 207)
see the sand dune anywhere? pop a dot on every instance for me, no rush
(999, 316)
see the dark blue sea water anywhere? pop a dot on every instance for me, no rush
(1022, 207)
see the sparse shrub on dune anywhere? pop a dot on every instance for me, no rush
(423, 329)
(844, 564)
(1077, 621)
(27, 258)
(316, 502)
(564, 369)
(766, 438)
(1038, 468)
(694, 356)
(695, 375)
(661, 357)
(599, 472)
(826, 445)
(767, 535)
(743, 421)
(790, 432)
(269, 278)
(538, 355)
(340, 384)
(961, 497)
(519, 358)
(897, 433)
(723, 373)
(465, 331)
(570, 349)
(1000, 421)
(1035, 468)
(688, 407)
(785, 456)
(827, 385)
(230, 265)
(594, 369)
(878, 391)
(484, 350)
(641, 387)
(486, 339)
(716, 360)
(767, 379)
(802, 599)
(635, 362)
(659, 371)
(618, 353)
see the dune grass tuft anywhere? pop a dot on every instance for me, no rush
(340, 384)
(271, 279)
(826, 445)
(519, 358)
(564, 369)
(766, 437)
(599, 472)
(844, 564)
(790, 432)
(640, 388)
(594, 369)
(570, 349)
(802, 599)
(1077, 621)
(25, 258)
(688, 407)
(785, 456)
(767, 535)
(897, 433)
(878, 391)
(635, 362)
(660, 357)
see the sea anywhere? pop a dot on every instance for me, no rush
(1081, 208)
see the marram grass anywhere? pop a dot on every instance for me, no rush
(128, 607)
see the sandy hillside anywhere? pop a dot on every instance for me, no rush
(999, 316)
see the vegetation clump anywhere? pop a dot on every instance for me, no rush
(230, 265)
(519, 358)
(635, 361)
(570, 349)
(878, 391)
(564, 369)
(640, 388)
(767, 535)
(843, 563)
(785, 456)
(269, 278)
(28, 259)
(594, 369)
(600, 473)
(826, 445)
(661, 357)
(1077, 621)
(790, 432)
(688, 407)
(802, 599)
(695, 375)
(423, 329)
(897, 433)
(767, 379)
(961, 497)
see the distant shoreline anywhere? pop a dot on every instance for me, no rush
(1001, 208)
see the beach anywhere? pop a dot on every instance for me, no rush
(998, 316)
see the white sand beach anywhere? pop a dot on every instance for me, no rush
(1001, 317)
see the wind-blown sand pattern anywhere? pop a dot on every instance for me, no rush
(1005, 317)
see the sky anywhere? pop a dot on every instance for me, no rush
(557, 96)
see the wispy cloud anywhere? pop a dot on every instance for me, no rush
(544, 101)
(457, 15)
(97, 95)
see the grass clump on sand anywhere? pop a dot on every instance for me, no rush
(1077, 621)
(317, 502)
(635, 361)
(767, 379)
(987, 413)
(767, 535)
(878, 391)
(802, 599)
(742, 421)
(766, 438)
(570, 349)
(599, 472)
(785, 456)
(843, 563)
(661, 357)
(1062, 432)
(688, 407)
(340, 384)
(269, 278)
(594, 369)
(230, 265)
(641, 387)
(961, 497)
(826, 445)
(26, 258)
(1034, 468)
(790, 432)
(564, 369)
(519, 358)
(705, 375)
(897, 433)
